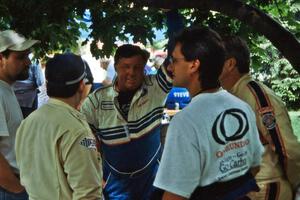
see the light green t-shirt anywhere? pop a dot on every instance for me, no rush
(57, 154)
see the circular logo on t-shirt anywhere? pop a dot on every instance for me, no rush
(238, 126)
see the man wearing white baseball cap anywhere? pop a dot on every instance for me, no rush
(14, 65)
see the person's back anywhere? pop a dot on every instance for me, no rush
(280, 169)
(45, 154)
(226, 129)
(224, 134)
(55, 148)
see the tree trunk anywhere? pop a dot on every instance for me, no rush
(280, 37)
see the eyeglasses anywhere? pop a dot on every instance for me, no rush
(173, 60)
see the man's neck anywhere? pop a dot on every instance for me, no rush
(231, 80)
(71, 101)
(195, 87)
(6, 80)
(211, 90)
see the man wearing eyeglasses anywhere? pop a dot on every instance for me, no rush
(212, 146)
(55, 148)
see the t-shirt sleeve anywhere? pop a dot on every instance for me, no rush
(179, 171)
(3, 122)
(82, 165)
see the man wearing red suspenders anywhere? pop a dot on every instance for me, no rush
(279, 176)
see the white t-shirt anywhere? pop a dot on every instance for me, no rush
(214, 139)
(10, 119)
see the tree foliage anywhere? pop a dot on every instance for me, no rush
(278, 74)
(58, 23)
(120, 20)
(55, 23)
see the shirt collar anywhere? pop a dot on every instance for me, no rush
(66, 106)
(201, 94)
(245, 77)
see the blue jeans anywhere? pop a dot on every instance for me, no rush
(5, 195)
(140, 187)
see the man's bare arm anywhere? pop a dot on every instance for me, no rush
(8, 180)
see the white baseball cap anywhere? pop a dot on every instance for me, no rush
(14, 41)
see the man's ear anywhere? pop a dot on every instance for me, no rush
(1, 59)
(195, 66)
(230, 64)
(81, 86)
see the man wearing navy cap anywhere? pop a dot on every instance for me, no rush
(14, 65)
(55, 148)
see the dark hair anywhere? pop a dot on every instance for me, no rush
(6, 53)
(59, 70)
(206, 45)
(146, 55)
(128, 51)
(237, 47)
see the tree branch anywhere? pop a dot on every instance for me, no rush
(280, 37)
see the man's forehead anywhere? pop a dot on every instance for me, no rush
(177, 50)
(131, 60)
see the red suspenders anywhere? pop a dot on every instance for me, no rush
(268, 118)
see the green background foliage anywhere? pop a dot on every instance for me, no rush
(295, 118)
(268, 65)
(58, 23)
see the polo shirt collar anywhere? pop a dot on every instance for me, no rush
(66, 106)
(246, 77)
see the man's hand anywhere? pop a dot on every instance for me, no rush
(18, 188)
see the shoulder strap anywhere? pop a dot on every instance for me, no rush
(268, 118)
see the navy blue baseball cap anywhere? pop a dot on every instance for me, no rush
(65, 69)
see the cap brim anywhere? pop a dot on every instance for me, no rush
(24, 46)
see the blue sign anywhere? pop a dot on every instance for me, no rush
(178, 98)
